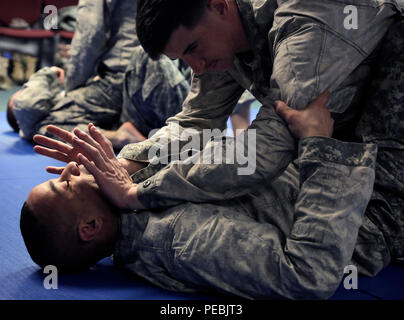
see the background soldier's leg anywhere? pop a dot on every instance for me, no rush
(99, 102)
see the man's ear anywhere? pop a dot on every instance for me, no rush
(219, 6)
(89, 229)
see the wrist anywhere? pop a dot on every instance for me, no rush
(315, 133)
(131, 166)
(133, 200)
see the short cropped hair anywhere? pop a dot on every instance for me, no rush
(41, 242)
(156, 20)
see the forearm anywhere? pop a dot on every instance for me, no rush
(226, 168)
(131, 166)
(198, 113)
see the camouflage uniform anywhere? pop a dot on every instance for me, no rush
(381, 238)
(154, 90)
(291, 237)
(105, 37)
(40, 94)
(146, 94)
(103, 44)
(304, 48)
(381, 121)
(100, 102)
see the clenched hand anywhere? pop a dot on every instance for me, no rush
(314, 120)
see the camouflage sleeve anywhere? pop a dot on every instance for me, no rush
(88, 43)
(38, 96)
(256, 260)
(225, 168)
(316, 51)
(208, 106)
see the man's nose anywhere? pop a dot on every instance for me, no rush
(71, 168)
(197, 64)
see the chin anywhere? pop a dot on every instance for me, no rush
(228, 64)
(223, 66)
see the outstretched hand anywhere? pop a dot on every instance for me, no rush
(66, 152)
(62, 151)
(99, 159)
(314, 120)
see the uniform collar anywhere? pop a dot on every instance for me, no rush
(257, 35)
(131, 228)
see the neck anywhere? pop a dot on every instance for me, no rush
(111, 231)
(243, 45)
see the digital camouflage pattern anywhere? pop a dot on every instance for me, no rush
(41, 93)
(150, 93)
(154, 90)
(132, 87)
(299, 49)
(249, 240)
(103, 44)
(105, 36)
(100, 101)
(288, 238)
(382, 123)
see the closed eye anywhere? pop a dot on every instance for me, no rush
(191, 48)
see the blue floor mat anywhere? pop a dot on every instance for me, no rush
(20, 278)
(21, 170)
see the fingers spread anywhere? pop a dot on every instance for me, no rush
(102, 140)
(91, 152)
(55, 170)
(57, 155)
(52, 143)
(89, 140)
(61, 133)
(90, 166)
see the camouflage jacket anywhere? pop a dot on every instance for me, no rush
(299, 49)
(290, 237)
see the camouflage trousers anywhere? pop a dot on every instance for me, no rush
(381, 238)
(99, 102)
(148, 94)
